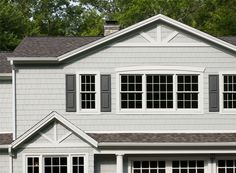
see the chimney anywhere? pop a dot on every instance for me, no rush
(111, 27)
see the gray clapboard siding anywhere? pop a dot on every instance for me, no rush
(4, 161)
(39, 92)
(5, 106)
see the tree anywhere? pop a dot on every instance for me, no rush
(13, 25)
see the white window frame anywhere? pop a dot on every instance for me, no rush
(223, 158)
(97, 90)
(221, 90)
(160, 70)
(168, 161)
(43, 155)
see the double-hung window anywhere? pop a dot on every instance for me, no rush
(88, 92)
(56, 164)
(160, 91)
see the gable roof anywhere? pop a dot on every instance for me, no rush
(5, 66)
(50, 46)
(52, 116)
(115, 35)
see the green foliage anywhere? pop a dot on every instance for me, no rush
(19, 18)
(13, 25)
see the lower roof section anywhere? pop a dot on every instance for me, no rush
(163, 137)
(5, 139)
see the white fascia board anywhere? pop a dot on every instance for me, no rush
(5, 76)
(159, 68)
(143, 23)
(4, 146)
(51, 116)
(32, 59)
(136, 144)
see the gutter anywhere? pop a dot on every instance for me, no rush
(155, 144)
(5, 76)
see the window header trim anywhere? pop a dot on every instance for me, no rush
(161, 68)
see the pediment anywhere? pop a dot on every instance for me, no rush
(54, 130)
(160, 35)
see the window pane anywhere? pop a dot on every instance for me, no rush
(188, 166)
(87, 91)
(187, 92)
(159, 91)
(148, 166)
(131, 91)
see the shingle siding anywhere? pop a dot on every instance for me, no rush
(6, 106)
(41, 89)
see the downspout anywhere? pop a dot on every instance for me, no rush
(13, 99)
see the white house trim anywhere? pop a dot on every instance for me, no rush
(171, 36)
(132, 28)
(160, 68)
(147, 37)
(45, 121)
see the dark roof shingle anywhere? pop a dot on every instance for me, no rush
(5, 66)
(50, 46)
(164, 137)
(6, 138)
(229, 39)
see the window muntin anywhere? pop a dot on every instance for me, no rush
(148, 166)
(32, 164)
(229, 91)
(55, 164)
(187, 91)
(131, 91)
(226, 166)
(191, 93)
(188, 166)
(87, 91)
(159, 91)
(77, 164)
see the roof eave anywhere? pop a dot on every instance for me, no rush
(174, 144)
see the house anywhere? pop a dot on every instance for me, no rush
(156, 97)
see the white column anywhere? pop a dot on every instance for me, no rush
(119, 163)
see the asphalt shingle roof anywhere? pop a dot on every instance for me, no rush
(6, 138)
(229, 39)
(50, 46)
(164, 137)
(5, 66)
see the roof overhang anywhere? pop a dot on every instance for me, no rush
(115, 35)
(155, 144)
(5, 76)
(52, 116)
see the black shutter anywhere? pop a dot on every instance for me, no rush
(105, 93)
(213, 93)
(70, 93)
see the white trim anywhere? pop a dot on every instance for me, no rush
(6, 132)
(168, 151)
(160, 68)
(45, 121)
(165, 144)
(132, 28)
(165, 131)
(173, 70)
(168, 161)
(57, 145)
(67, 155)
(158, 34)
(13, 100)
(32, 59)
(160, 45)
(4, 146)
(171, 36)
(46, 137)
(97, 90)
(221, 90)
(147, 37)
(143, 23)
(64, 137)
